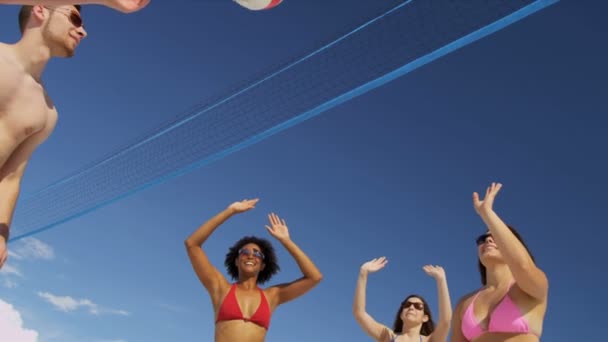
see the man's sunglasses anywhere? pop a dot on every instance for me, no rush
(73, 15)
(417, 306)
(482, 238)
(249, 252)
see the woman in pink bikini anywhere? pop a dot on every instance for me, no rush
(512, 303)
(242, 309)
(413, 320)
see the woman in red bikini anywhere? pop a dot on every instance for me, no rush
(511, 305)
(242, 309)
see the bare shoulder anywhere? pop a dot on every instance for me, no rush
(10, 74)
(271, 290)
(272, 294)
(6, 53)
(464, 301)
(219, 296)
(387, 334)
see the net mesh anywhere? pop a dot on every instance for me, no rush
(393, 43)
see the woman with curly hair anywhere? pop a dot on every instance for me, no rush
(242, 309)
(413, 320)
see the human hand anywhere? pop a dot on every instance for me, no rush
(483, 207)
(277, 228)
(434, 271)
(126, 6)
(374, 265)
(243, 206)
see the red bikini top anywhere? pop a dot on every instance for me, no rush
(230, 310)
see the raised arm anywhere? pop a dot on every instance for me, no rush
(11, 174)
(529, 278)
(442, 328)
(210, 277)
(125, 6)
(311, 274)
(371, 327)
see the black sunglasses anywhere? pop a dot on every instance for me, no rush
(417, 306)
(74, 16)
(481, 239)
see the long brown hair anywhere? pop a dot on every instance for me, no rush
(482, 268)
(427, 327)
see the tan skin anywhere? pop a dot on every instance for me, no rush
(247, 292)
(412, 317)
(27, 113)
(506, 261)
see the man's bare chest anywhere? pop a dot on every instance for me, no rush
(24, 106)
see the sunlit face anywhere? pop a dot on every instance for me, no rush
(412, 311)
(486, 247)
(63, 30)
(250, 259)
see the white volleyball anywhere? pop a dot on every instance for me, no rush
(258, 5)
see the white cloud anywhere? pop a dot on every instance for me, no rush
(64, 303)
(8, 272)
(11, 325)
(13, 255)
(10, 269)
(68, 304)
(9, 284)
(32, 248)
(28, 248)
(119, 312)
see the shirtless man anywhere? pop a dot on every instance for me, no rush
(51, 28)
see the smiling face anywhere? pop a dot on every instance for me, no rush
(63, 30)
(252, 256)
(250, 259)
(60, 27)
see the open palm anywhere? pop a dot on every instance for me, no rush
(127, 6)
(278, 227)
(374, 265)
(243, 205)
(434, 271)
(485, 206)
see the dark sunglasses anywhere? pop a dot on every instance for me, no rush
(417, 306)
(249, 252)
(74, 16)
(482, 238)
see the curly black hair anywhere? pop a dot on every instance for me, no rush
(270, 258)
(427, 327)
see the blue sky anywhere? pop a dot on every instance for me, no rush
(387, 174)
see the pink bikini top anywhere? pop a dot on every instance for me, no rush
(506, 318)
